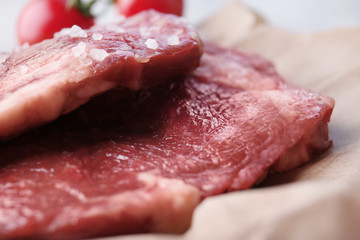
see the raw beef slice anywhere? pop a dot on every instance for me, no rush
(54, 77)
(142, 161)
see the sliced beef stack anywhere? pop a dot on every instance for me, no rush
(141, 161)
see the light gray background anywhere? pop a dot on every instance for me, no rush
(296, 15)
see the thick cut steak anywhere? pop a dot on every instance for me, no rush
(54, 77)
(142, 161)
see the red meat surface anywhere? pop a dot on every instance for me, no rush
(54, 77)
(141, 161)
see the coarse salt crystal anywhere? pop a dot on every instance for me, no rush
(23, 69)
(173, 40)
(152, 44)
(98, 54)
(77, 32)
(74, 32)
(97, 36)
(79, 49)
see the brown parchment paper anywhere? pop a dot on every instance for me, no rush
(320, 200)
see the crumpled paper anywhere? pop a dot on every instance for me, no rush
(320, 200)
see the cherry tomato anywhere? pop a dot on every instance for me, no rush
(40, 19)
(131, 7)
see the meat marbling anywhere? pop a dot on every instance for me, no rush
(54, 77)
(142, 161)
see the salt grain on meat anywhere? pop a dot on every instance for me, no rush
(98, 54)
(79, 49)
(152, 44)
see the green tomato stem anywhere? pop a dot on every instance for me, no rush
(84, 8)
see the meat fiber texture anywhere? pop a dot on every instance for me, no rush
(54, 77)
(142, 161)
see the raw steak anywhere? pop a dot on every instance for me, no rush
(54, 77)
(140, 162)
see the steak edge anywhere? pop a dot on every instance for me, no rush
(52, 78)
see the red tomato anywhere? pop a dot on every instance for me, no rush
(40, 19)
(131, 7)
